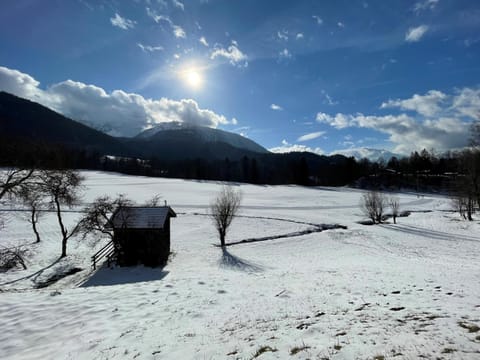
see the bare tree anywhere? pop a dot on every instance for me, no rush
(394, 203)
(373, 204)
(464, 203)
(475, 132)
(62, 187)
(154, 201)
(223, 209)
(31, 195)
(11, 179)
(12, 257)
(98, 215)
(466, 189)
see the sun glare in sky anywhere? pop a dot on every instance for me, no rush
(192, 78)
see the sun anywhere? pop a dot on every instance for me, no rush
(193, 78)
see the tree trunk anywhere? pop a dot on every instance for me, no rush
(62, 228)
(394, 219)
(222, 238)
(64, 248)
(470, 209)
(34, 220)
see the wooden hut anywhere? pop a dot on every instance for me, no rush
(142, 235)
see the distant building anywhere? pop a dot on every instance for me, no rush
(142, 235)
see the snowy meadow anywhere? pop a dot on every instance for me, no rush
(392, 291)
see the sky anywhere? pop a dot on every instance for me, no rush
(320, 76)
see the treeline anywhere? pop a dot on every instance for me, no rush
(422, 171)
(28, 153)
(273, 169)
(294, 168)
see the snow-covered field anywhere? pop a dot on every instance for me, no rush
(404, 291)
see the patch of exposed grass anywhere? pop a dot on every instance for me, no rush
(262, 350)
(337, 347)
(295, 350)
(448, 351)
(472, 328)
(379, 357)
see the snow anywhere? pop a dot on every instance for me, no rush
(205, 134)
(368, 153)
(399, 291)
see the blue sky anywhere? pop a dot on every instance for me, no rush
(291, 75)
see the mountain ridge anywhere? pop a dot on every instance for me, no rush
(368, 153)
(23, 118)
(206, 134)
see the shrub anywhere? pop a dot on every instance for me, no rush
(373, 205)
(12, 258)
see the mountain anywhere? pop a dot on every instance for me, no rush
(22, 119)
(33, 134)
(368, 153)
(27, 120)
(186, 133)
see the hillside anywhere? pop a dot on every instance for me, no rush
(203, 135)
(27, 120)
(24, 119)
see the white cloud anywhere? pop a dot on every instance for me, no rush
(179, 32)
(282, 35)
(178, 4)
(340, 24)
(416, 34)
(276, 107)
(232, 53)
(149, 48)
(299, 36)
(328, 99)
(120, 113)
(285, 54)
(122, 23)
(157, 18)
(366, 153)
(441, 121)
(425, 5)
(338, 121)
(318, 19)
(287, 148)
(427, 105)
(409, 134)
(467, 103)
(311, 136)
(18, 83)
(203, 41)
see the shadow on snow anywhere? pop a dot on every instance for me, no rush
(230, 261)
(433, 234)
(106, 276)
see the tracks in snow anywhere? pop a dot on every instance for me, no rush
(313, 228)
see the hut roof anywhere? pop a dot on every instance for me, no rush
(132, 217)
